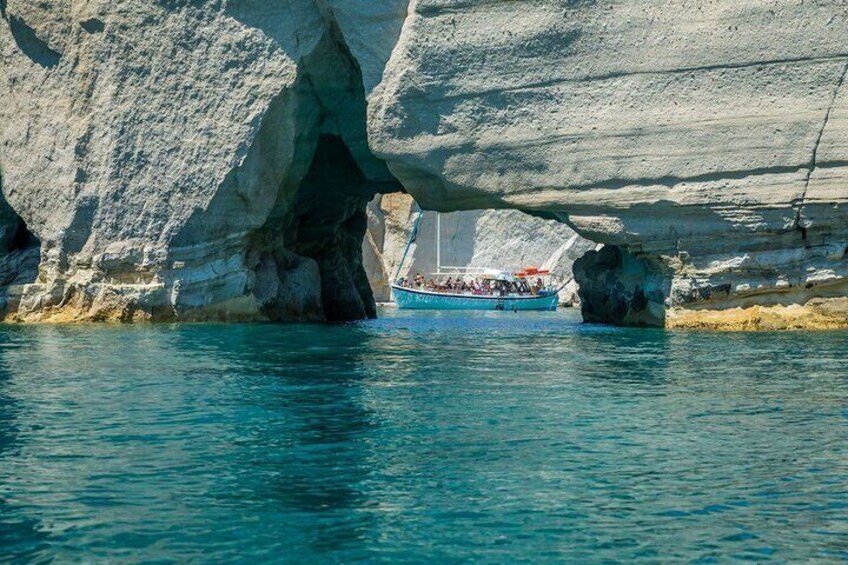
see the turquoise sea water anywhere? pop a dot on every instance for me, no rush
(449, 438)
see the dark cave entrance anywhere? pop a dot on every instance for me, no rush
(330, 225)
(20, 254)
(19, 238)
(307, 257)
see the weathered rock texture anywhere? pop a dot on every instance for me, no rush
(193, 160)
(707, 141)
(500, 239)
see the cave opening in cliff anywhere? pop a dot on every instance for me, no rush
(329, 228)
(15, 236)
(315, 232)
(20, 254)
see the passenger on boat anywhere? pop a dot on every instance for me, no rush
(485, 287)
(538, 286)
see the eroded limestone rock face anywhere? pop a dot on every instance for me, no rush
(163, 154)
(193, 160)
(709, 140)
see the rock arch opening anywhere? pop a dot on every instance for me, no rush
(471, 239)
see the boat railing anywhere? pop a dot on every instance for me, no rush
(444, 270)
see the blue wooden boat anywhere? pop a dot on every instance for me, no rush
(509, 292)
(417, 299)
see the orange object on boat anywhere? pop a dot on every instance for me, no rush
(531, 270)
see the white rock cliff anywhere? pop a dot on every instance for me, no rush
(705, 143)
(192, 160)
(196, 160)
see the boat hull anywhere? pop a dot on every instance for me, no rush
(413, 299)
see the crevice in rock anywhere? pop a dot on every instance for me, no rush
(670, 181)
(623, 74)
(799, 217)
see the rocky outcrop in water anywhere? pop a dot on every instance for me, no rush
(197, 160)
(193, 160)
(707, 142)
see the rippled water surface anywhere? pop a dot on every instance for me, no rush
(432, 437)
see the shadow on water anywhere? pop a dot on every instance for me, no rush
(308, 454)
(21, 537)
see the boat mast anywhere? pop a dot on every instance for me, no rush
(438, 243)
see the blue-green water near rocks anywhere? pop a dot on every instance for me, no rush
(447, 438)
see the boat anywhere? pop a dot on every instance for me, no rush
(419, 299)
(505, 291)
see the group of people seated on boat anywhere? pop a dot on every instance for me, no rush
(477, 287)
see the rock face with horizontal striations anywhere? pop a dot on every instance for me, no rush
(197, 160)
(707, 141)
